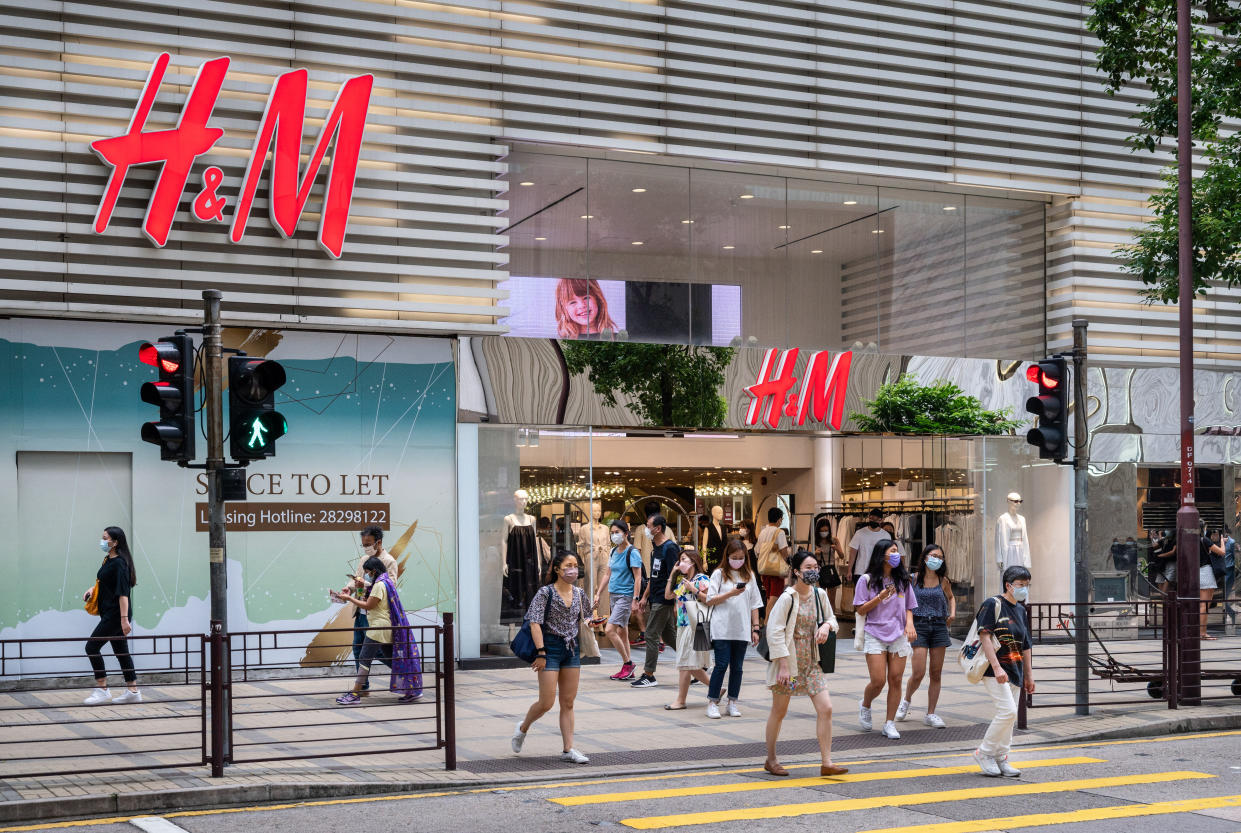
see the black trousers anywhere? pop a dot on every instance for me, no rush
(109, 630)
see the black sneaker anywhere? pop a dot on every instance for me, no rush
(645, 681)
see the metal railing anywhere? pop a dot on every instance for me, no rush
(215, 700)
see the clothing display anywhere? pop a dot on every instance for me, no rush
(521, 580)
(1012, 542)
(959, 543)
(712, 545)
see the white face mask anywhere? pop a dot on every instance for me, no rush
(823, 533)
(618, 538)
(369, 552)
(104, 545)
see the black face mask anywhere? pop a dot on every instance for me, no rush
(873, 524)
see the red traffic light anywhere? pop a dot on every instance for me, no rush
(1032, 373)
(1037, 374)
(162, 355)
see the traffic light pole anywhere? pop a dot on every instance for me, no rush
(1081, 562)
(212, 374)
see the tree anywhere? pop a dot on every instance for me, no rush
(906, 407)
(1138, 45)
(674, 385)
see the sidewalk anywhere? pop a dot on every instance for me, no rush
(624, 730)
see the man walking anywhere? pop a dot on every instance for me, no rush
(661, 620)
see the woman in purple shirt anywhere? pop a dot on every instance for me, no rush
(885, 595)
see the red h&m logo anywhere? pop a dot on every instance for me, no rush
(822, 393)
(280, 131)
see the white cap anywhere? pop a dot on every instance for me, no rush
(1014, 496)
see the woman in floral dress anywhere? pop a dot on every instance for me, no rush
(801, 619)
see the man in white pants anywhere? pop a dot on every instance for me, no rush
(1008, 654)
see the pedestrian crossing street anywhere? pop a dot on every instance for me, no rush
(743, 797)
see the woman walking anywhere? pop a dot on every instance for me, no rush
(688, 586)
(555, 615)
(801, 620)
(935, 611)
(735, 601)
(623, 577)
(1008, 654)
(829, 552)
(114, 582)
(387, 638)
(884, 594)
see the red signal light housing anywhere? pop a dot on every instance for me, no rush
(164, 356)
(1031, 373)
(1050, 381)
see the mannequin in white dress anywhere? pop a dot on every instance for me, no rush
(1012, 541)
(594, 547)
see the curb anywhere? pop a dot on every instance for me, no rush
(203, 798)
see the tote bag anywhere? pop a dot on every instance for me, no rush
(523, 646)
(972, 657)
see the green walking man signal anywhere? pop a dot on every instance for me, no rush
(254, 422)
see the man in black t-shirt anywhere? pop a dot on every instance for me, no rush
(1005, 633)
(661, 620)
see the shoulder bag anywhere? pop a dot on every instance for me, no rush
(827, 650)
(972, 657)
(523, 646)
(770, 563)
(92, 601)
(829, 577)
(702, 630)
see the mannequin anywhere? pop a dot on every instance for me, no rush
(594, 547)
(519, 552)
(1012, 541)
(712, 544)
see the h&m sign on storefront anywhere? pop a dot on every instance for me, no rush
(280, 131)
(823, 387)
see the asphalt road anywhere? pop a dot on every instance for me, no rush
(1107, 787)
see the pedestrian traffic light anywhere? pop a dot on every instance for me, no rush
(1050, 436)
(173, 357)
(254, 422)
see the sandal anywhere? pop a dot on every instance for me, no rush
(672, 708)
(349, 699)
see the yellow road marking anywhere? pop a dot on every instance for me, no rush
(780, 811)
(1123, 811)
(784, 784)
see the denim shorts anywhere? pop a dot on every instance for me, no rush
(560, 654)
(932, 632)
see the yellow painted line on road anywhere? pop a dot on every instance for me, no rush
(1123, 811)
(787, 783)
(781, 811)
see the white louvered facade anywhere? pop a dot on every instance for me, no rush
(977, 95)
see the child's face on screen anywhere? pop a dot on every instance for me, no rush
(582, 309)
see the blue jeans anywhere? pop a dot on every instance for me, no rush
(1230, 577)
(359, 636)
(729, 656)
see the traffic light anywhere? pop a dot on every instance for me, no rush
(173, 357)
(254, 422)
(1051, 436)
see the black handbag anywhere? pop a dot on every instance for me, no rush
(829, 577)
(523, 646)
(702, 632)
(827, 651)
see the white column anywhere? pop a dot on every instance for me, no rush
(469, 584)
(826, 470)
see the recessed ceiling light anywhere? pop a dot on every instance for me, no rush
(747, 196)
(816, 251)
(636, 243)
(730, 247)
(850, 202)
(588, 216)
(525, 183)
(783, 227)
(950, 208)
(686, 222)
(638, 190)
(876, 231)
(540, 238)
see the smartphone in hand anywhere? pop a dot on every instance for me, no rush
(741, 585)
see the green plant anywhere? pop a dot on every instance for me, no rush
(906, 407)
(673, 385)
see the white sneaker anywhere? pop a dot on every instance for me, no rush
(987, 764)
(934, 721)
(575, 757)
(902, 711)
(98, 697)
(713, 710)
(889, 731)
(733, 711)
(1006, 769)
(519, 737)
(128, 696)
(863, 716)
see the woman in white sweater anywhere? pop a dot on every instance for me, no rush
(801, 620)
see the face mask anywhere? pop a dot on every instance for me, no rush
(1021, 593)
(810, 576)
(822, 533)
(873, 524)
(618, 538)
(369, 552)
(736, 563)
(104, 545)
(569, 575)
(894, 559)
(933, 563)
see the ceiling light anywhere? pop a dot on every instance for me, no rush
(783, 227)
(636, 243)
(588, 216)
(686, 222)
(876, 231)
(850, 202)
(638, 190)
(747, 196)
(950, 208)
(816, 251)
(540, 238)
(525, 183)
(730, 247)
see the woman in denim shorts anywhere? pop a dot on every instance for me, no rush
(934, 613)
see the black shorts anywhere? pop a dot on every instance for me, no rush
(932, 633)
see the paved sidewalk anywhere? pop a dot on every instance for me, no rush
(624, 731)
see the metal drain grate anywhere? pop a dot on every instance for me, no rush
(752, 751)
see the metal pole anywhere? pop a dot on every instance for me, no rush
(1081, 561)
(448, 660)
(213, 354)
(1188, 522)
